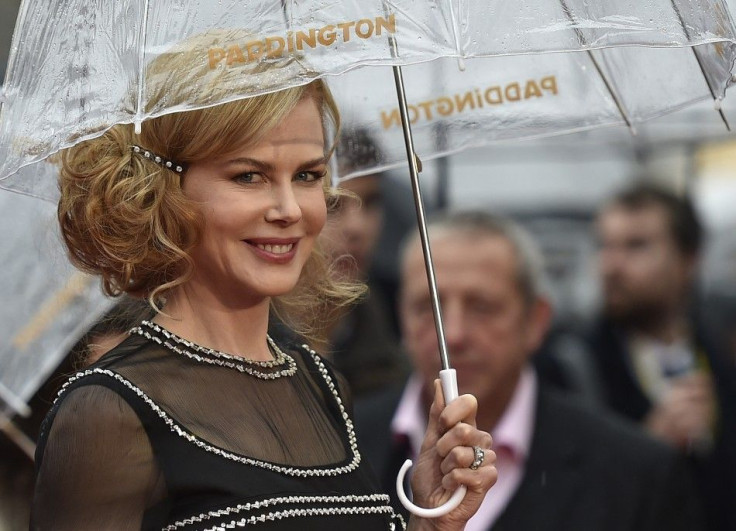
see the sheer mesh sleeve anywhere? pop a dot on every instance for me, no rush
(96, 469)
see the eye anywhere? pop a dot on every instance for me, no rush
(310, 176)
(248, 177)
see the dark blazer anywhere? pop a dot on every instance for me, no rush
(586, 471)
(715, 472)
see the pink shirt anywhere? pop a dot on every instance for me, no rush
(512, 438)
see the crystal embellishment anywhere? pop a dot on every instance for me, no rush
(168, 164)
(260, 369)
(319, 506)
(177, 429)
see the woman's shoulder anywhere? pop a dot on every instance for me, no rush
(324, 371)
(90, 402)
(133, 349)
(101, 392)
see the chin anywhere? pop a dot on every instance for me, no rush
(279, 289)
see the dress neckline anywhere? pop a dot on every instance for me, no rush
(282, 365)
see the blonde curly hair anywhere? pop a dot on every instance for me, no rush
(125, 218)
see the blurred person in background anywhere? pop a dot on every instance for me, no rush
(561, 465)
(657, 361)
(362, 340)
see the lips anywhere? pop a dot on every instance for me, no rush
(275, 248)
(279, 250)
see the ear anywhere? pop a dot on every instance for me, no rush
(539, 319)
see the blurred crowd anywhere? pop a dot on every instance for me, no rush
(619, 418)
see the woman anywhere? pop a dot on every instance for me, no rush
(199, 419)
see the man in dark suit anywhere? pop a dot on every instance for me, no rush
(659, 362)
(560, 465)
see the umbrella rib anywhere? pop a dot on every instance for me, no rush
(612, 92)
(609, 87)
(456, 36)
(716, 99)
(141, 68)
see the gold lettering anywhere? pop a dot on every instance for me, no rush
(389, 25)
(413, 114)
(254, 50)
(364, 28)
(276, 46)
(389, 120)
(310, 39)
(531, 90)
(345, 27)
(479, 98)
(290, 41)
(327, 35)
(444, 106)
(460, 104)
(216, 55)
(278, 51)
(549, 83)
(512, 92)
(493, 95)
(234, 55)
(475, 98)
(426, 106)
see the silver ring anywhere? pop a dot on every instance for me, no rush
(480, 455)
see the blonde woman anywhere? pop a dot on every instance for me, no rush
(200, 419)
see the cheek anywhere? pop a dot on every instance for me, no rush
(315, 213)
(416, 332)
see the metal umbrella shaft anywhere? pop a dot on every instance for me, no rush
(447, 375)
(421, 216)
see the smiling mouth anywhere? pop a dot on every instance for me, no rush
(275, 249)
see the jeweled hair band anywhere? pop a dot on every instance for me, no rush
(177, 167)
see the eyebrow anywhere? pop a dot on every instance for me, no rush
(265, 166)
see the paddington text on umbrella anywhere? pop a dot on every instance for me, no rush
(276, 46)
(472, 99)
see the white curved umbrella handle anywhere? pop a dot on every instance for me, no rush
(448, 377)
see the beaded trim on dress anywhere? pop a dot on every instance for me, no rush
(288, 507)
(282, 469)
(191, 350)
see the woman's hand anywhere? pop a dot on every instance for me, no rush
(445, 459)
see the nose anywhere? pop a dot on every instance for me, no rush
(454, 326)
(610, 260)
(284, 207)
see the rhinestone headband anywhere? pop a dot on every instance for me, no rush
(169, 164)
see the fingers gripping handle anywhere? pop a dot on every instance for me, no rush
(442, 510)
(448, 377)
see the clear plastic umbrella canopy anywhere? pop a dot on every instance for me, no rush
(531, 68)
(476, 71)
(46, 304)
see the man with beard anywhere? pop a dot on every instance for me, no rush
(657, 362)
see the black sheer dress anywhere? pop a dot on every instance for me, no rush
(161, 433)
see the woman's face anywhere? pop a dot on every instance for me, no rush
(263, 207)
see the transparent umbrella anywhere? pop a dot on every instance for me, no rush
(77, 68)
(47, 304)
